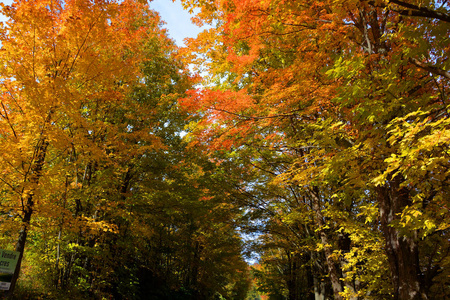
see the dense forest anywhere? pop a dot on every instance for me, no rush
(295, 149)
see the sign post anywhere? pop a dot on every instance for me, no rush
(8, 262)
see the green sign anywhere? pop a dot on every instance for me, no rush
(8, 262)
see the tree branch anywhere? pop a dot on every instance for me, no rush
(412, 10)
(431, 69)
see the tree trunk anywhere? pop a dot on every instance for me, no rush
(318, 292)
(292, 277)
(20, 246)
(319, 288)
(28, 206)
(333, 270)
(402, 251)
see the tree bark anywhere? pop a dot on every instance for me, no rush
(317, 283)
(292, 277)
(402, 251)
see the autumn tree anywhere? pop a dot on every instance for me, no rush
(64, 65)
(126, 209)
(355, 94)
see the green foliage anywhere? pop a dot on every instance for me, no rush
(340, 114)
(132, 212)
(321, 131)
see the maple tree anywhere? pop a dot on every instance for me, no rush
(119, 206)
(354, 93)
(321, 129)
(65, 66)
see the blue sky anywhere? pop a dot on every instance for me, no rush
(177, 20)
